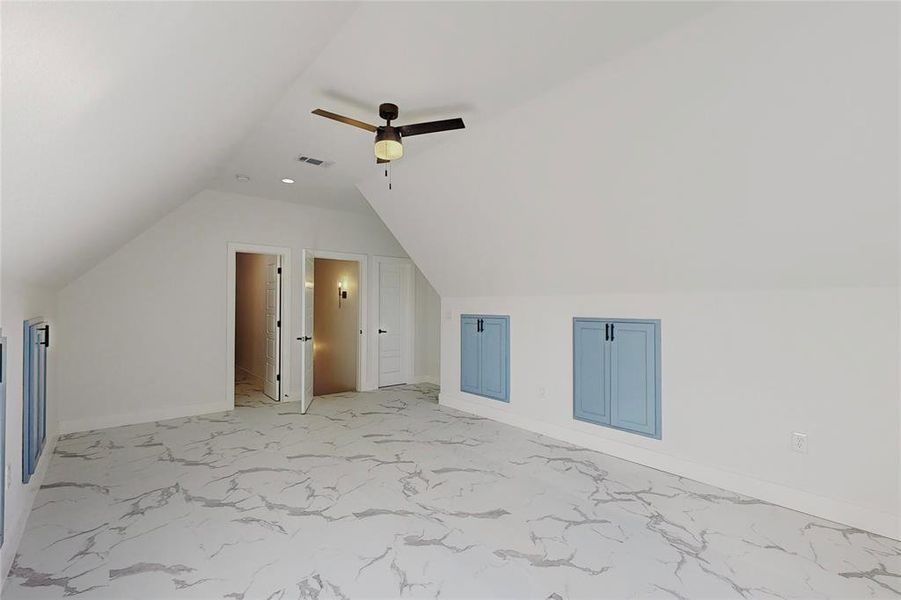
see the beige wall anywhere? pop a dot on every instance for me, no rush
(336, 330)
(250, 313)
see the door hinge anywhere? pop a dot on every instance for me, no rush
(278, 377)
(278, 323)
(279, 271)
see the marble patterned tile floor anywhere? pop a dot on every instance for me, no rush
(249, 390)
(386, 494)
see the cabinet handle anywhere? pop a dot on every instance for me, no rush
(479, 326)
(612, 328)
(607, 332)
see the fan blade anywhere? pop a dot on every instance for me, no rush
(379, 161)
(348, 120)
(431, 127)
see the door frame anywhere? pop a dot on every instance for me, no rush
(362, 320)
(409, 309)
(284, 358)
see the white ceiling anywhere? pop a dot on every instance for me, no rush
(753, 148)
(114, 113)
(434, 60)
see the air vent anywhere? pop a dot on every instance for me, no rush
(316, 162)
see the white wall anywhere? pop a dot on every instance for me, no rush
(740, 372)
(736, 178)
(142, 334)
(426, 342)
(756, 148)
(21, 302)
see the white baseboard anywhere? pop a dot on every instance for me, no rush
(16, 522)
(105, 421)
(827, 508)
(425, 379)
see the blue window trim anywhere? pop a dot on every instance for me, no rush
(658, 396)
(506, 319)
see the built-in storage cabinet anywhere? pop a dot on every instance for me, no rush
(34, 394)
(3, 374)
(485, 356)
(616, 374)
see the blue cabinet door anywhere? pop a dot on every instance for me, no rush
(34, 394)
(616, 374)
(633, 377)
(470, 358)
(591, 390)
(3, 374)
(494, 357)
(485, 356)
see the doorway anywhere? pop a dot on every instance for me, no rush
(315, 343)
(336, 322)
(257, 355)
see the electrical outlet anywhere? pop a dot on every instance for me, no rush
(799, 442)
(542, 392)
(448, 315)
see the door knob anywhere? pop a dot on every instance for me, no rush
(305, 338)
(383, 331)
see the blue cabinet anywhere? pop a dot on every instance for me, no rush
(3, 352)
(34, 394)
(485, 356)
(470, 357)
(616, 374)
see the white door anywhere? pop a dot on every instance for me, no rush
(309, 265)
(392, 355)
(273, 327)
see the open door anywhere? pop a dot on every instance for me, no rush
(309, 270)
(272, 381)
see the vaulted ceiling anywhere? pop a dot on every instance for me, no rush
(116, 112)
(755, 147)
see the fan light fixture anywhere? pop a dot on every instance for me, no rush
(387, 144)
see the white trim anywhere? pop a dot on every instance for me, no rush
(363, 350)
(409, 312)
(835, 510)
(189, 410)
(285, 312)
(16, 522)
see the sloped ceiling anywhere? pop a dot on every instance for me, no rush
(755, 147)
(116, 112)
(434, 60)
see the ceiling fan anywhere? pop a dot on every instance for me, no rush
(388, 144)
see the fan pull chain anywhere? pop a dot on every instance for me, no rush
(389, 176)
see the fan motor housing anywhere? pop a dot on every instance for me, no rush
(388, 111)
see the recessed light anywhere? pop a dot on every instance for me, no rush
(286, 180)
(242, 178)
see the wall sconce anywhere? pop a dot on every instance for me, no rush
(342, 291)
